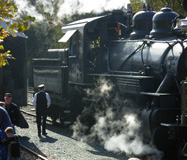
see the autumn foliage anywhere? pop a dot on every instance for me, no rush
(8, 13)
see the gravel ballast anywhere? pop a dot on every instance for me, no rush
(59, 144)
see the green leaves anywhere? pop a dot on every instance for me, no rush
(136, 5)
(8, 10)
(176, 5)
(29, 18)
(4, 57)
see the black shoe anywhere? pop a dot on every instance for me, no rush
(44, 134)
(39, 135)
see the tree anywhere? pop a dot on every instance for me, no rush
(8, 12)
(136, 5)
(175, 5)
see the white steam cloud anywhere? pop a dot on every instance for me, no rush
(68, 7)
(117, 126)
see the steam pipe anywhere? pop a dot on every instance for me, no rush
(108, 65)
(132, 54)
(167, 51)
(166, 86)
(142, 55)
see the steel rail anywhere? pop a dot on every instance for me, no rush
(34, 115)
(33, 152)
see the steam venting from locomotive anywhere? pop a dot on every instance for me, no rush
(67, 7)
(118, 127)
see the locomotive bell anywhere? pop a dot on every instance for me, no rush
(162, 22)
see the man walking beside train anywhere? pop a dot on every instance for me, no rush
(41, 102)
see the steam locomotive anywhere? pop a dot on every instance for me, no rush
(143, 54)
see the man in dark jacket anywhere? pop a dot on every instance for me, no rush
(4, 123)
(41, 102)
(12, 109)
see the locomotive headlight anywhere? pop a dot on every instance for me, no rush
(181, 24)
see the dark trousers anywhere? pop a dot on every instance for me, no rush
(40, 116)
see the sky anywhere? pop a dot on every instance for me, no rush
(69, 7)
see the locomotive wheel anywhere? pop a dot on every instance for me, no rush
(180, 148)
(61, 118)
(172, 148)
(175, 153)
(87, 117)
(65, 117)
(160, 139)
(75, 106)
(53, 114)
(53, 120)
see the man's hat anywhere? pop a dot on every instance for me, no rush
(8, 95)
(41, 86)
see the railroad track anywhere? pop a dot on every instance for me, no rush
(30, 154)
(49, 120)
(34, 115)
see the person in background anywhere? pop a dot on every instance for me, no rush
(12, 110)
(4, 123)
(12, 143)
(4, 119)
(2, 104)
(41, 102)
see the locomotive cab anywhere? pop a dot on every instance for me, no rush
(87, 39)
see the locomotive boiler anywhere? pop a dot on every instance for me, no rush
(144, 55)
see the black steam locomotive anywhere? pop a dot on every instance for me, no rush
(144, 55)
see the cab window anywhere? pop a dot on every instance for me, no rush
(113, 31)
(76, 44)
(93, 39)
(74, 49)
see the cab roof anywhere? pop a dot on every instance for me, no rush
(80, 23)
